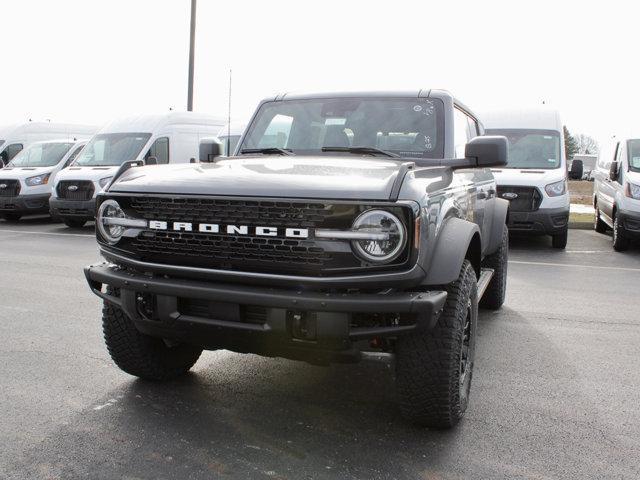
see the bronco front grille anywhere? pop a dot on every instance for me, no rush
(75, 189)
(250, 252)
(521, 199)
(207, 210)
(11, 188)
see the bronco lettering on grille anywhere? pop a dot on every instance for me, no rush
(229, 229)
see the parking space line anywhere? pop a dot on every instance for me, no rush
(574, 265)
(31, 232)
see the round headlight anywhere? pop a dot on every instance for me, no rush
(387, 232)
(110, 209)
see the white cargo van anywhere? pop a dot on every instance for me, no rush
(169, 138)
(616, 191)
(25, 183)
(535, 179)
(14, 138)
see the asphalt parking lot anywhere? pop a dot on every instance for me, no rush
(555, 392)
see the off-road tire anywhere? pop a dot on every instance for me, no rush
(620, 240)
(496, 291)
(598, 225)
(428, 363)
(11, 217)
(559, 240)
(74, 222)
(141, 355)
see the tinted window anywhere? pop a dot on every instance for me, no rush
(537, 149)
(160, 150)
(112, 149)
(409, 127)
(10, 152)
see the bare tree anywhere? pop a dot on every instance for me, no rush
(586, 144)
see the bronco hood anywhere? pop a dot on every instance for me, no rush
(297, 177)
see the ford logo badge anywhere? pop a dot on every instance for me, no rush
(510, 195)
(72, 188)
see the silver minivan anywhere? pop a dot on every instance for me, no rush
(616, 191)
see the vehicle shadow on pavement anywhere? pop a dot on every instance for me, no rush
(243, 416)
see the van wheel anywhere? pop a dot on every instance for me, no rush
(560, 240)
(74, 222)
(11, 217)
(495, 293)
(434, 368)
(598, 225)
(141, 355)
(620, 240)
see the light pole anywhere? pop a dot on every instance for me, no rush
(192, 46)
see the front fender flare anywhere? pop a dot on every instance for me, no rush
(500, 216)
(451, 249)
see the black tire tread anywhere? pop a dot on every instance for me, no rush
(427, 363)
(74, 222)
(141, 355)
(498, 261)
(620, 240)
(559, 240)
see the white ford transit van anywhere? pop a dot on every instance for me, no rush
(14, 138)
(169, 138)
(535, 179)
(616, 191)
(25, 183)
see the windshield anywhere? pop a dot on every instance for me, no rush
(537, 149)
(633, 146)
(112, 149)
(41, 155)
(409, 127)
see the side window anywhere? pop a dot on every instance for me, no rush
(620, 159)
(160, 150)
(13, 149)
(73, 156)
(460, 132)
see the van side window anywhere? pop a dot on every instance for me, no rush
(460, 132)
(73, 156)
(160, 150)
(10, 152)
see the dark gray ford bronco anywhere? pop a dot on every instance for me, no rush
(346, 226)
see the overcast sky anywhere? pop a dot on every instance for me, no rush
(91, 60)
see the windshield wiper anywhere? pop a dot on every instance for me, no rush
(365, 150)
(268, 151)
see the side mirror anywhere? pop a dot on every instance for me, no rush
(613, 171)
(209, 150)
(487, 151)
(577, 170)
(151, 161)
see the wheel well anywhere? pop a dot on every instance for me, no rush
(474, 253)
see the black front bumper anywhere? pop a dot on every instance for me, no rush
(157, 307)
(25, 204)
(549, 221)
(630, 222)
(77, 209)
